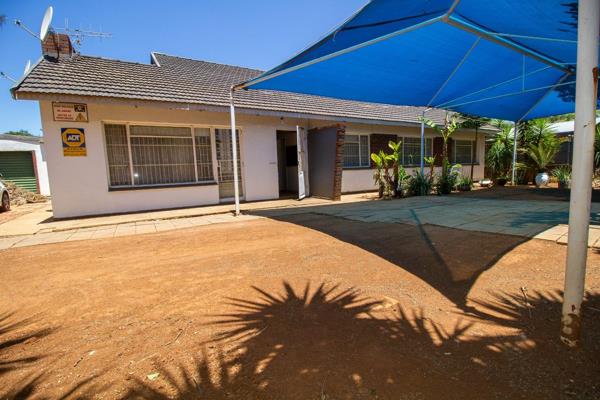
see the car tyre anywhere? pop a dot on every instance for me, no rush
(5, 205)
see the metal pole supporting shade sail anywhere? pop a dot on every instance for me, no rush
(509, 59)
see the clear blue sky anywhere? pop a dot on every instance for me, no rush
(258, 34)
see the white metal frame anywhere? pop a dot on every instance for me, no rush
(241, 181)
(583, 156)
(422, 148)
(473, 150)
(360, 166)
(212, 127)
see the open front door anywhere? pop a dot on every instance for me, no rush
(302, 144)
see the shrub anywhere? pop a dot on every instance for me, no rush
(563, 175)
(420, 184)
(447, 182)
(464, 183)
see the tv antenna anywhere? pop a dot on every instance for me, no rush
(78, 35)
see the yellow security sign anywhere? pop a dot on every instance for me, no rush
(73, 140)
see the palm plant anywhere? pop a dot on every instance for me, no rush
(396, 159)
(430, 161)
(499, 156)
(446, 131)
(543, 153)
(382, 175)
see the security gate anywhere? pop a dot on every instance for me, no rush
(225, 163)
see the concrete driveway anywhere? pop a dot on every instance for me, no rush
(490, 210)
(540, 219)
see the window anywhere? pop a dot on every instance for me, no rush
(463, 151)
(118, 155)
(356, 151)
(203, 154)
(411, 153)
(157, 155)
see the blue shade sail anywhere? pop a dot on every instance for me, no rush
(508, 59)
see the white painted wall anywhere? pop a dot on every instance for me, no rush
(80, 184)
(40, 159)
(359, 180)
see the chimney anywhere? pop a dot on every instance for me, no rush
(57, 45)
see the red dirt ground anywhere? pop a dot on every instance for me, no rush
(307, 307)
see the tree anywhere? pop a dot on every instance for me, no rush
(473, 122)
(21, 132)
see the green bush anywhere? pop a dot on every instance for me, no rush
(420, 184)
(447, 182)
(563, 175)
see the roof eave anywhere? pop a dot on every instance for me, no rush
(44, 96)
(15, 88)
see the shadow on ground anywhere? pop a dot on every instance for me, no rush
(526, 193)
(15, 335)
(449, 260)
(326, 343)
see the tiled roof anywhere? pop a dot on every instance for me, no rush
(21, 138)
(186, 81)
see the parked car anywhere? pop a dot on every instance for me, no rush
(5, 202)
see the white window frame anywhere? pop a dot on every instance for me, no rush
(472, 153)
(360, 160)
(212, 128)
(405, 162)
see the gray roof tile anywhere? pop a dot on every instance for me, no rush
(187, 81)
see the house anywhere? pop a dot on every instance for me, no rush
(123, 136)
(22, 162)
(565, 130)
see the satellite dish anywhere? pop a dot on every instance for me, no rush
(27, 67)
(46, 23)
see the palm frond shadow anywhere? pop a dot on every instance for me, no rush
(15, 334)
(442, 257)
(331, 343)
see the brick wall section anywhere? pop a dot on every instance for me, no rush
(57, 45)
(339, 162)
(379, 141)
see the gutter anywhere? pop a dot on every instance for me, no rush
(206, 107)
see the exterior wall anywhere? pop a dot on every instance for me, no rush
(80, 184)
(40, 159)
(361, 179)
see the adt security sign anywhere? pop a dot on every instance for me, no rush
(73, 140)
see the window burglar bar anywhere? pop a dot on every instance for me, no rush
(463, 151)
(157, 155)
